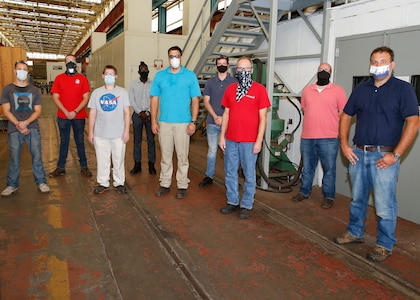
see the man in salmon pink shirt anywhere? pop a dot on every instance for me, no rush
(322, 104)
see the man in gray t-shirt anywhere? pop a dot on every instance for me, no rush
(21, 103)
(213, 94)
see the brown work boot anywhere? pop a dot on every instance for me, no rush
(347, 238)
(299, 197)
(86, 172)
(328, 203)
(378, 254)
(57, 172)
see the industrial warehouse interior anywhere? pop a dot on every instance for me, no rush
(73, 243)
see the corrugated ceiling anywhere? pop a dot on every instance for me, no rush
(48, 26)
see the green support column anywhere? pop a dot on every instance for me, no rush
(162, 19)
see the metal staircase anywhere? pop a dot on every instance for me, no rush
(242, 31)
(248, 28)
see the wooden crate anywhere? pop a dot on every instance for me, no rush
(8, 57)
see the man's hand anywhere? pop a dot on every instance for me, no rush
(71, 115)
(191, 129)
(386, 161)
(222, 143)
(257, 148)
(155, 128)
(218, 120)
(349, 154)
(91, 138)
(125, 137)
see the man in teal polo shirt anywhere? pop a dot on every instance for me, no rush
(175, 94)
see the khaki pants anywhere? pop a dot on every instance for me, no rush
(174, 135)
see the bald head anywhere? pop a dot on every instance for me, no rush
(325, 67)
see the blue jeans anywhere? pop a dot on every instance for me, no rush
(213, 132)
(235, 154)
(326, 151)
(364, 175)
(65, 125)
(15, 141)
(138, 135)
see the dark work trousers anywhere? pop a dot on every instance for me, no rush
(138, 125)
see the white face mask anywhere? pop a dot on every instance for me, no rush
(175, 62)
(379, 72)
(21, 74)
(109, 79)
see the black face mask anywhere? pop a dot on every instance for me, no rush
(323, 78)
(222, 69)
(144, 75)
(71, 68)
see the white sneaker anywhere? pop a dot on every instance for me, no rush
(44, 188)
(9, 190)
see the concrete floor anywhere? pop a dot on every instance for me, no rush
(72, 244)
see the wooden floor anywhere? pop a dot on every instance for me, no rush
(72, 244)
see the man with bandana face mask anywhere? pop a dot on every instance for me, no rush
(21, 102)
(140, 102)
(322, 103)
(241, 136)
(212, 99)
(387, 123)
(175, 93)
(70, 92)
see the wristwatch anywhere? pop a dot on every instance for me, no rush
(194, 122)
(396, 155)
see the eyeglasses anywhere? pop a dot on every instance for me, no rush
(174, 56)
(241, 69)
(107, 74)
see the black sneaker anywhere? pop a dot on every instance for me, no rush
(136, 169)
(229, 208)
(205, 182)
(100, 189)
(181, 193)
(152, 169)
(121, 189)
(57, 172)
(162, 191)
(244, 213)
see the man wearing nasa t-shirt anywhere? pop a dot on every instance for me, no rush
(108, 130)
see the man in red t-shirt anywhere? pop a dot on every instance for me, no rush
(70, 92)
(241, 135)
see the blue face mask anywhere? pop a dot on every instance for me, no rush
(109, 79)
(379, 72)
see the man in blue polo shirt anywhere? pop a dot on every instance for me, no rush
(387, 123)
(175, 94)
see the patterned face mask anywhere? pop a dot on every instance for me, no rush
(244, 83)
(379, 72)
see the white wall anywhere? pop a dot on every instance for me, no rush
(56, 68)
(367, 16)
(361, 17)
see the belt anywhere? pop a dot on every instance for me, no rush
(370, 148)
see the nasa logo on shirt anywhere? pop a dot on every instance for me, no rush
(108, 102)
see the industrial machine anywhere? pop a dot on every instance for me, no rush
(282, 173)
